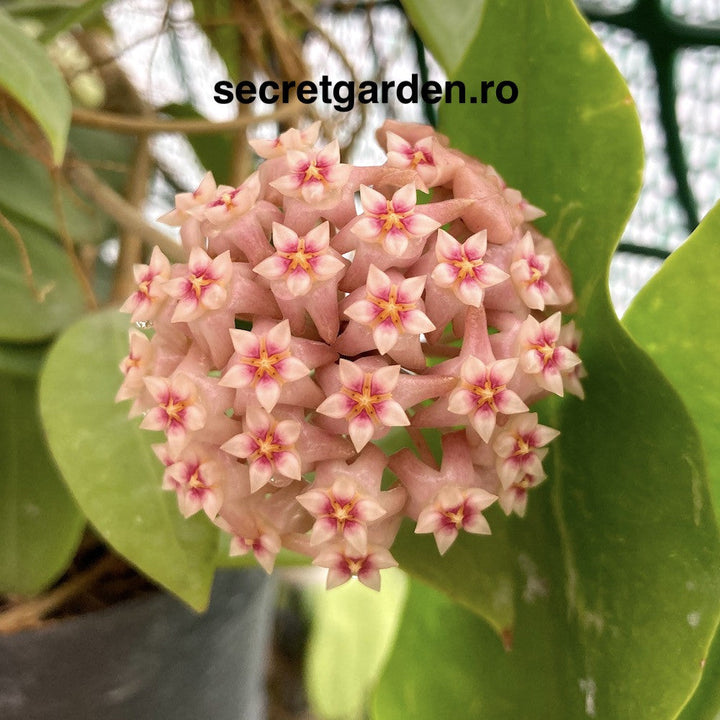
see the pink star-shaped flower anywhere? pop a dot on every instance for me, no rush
(260, 538)
(461, 267)
(520, 447)
(343, 563)
(202, 287)
(191, 204)
(541, 354)
(390, 309)
(341, 509)
(263, 362)
(365, 399)
(178, 410)
(570, 338)
(432, 162)
(392, 222)
(482, 393)
(135, 366)
(198, 484)
(267, 445)
(455, 509)
(230, 203)
(402, 154)
(301, 261)
(291, 139)
(151, 279)
(314, 177)
(514, 498)
(528, 271)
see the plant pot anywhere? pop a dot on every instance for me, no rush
(147, 659)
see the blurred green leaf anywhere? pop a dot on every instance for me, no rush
(25, 317)
(110, 154)
(448, 28)
(40, 525)
(22, 360)
(28, 192)
(79, 13)
(616, 560)
(351, 637)
(108, 463)
(30, 78)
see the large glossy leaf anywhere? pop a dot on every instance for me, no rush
(676, 318)
(616, 560)
(109, 466)
(448, 28)
(30, 78)
(29, 315)
(40, 525)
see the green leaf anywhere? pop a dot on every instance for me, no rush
(29, 316)
(28, 191)
(72, 16)
(28, 76)
(676, 319)
(108, 463)
(22, 360)
(616, 560)
(448, 28)
(111, 154)
(40, 525)
(357, 625)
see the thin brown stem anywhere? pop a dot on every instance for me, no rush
(31, 613)
(133, 125)
(119, 209)
(448, 351)
(14, 233)
(130, 240)
(67, 241)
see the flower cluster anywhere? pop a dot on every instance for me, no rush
(322, 309)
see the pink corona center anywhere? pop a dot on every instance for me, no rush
(300, 258)
(226, 200)
(174, 408)
(195, 478)
(342, 511)
(454, 516)
(390, 308)
(392, 219)
(365, 401)
(354, 564)
(485, 394)
(130, 362)
(313, 173)
(420, 157)
(265, 363)
(466, 267)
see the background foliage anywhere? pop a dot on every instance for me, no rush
(567, 613)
